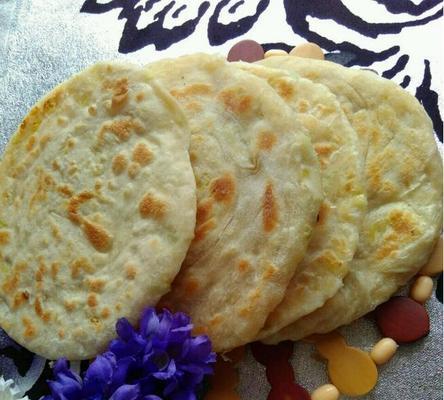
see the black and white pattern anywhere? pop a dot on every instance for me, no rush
(377, 40)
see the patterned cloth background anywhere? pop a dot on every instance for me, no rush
(42, 42)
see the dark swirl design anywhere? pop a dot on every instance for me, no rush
(154, 33)
(298, 14)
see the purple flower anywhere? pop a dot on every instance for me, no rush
(159, 361)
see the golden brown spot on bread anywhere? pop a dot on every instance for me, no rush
(65, 190)
(44, 183)
(30, 329)
(303, 106)
(75, 203)
(269, 272)
(402, 223)
(324, 210)
(55, 165)
(55, 267)
(40, 274)
(38, 307)
(61, 333)
(31, 143)
(266, 140)
(150, 207)
(235, 101)
(51, 102)
(39, 310)
(4, 238)
(142, 154)
(223, 188)
(269, 209)
(72, 169)
(96, 323)
(130, 271)
(69, 143)
(204, 209)
(11, 283)
(323, 150)
(55, 231)
(69, 305)
(121, 129)
(284, 89)
(244, 266)
(44, 139)
(20, 298)
(118, 307)
(98, 187)
(120, 94)
(118, 102)
(62, 121)
(96, 285)
(195, 89)
(255, 295)
(386, 250)
(92, 300)
(245, 312)
(140, 97)
(193, 106)
(98, 236)
(92, 110)
(118, 86)
(133, 170)
(329, 261)
(81, 264)
(202, 230)
(216, 320)
(119, 164)
(106, 312)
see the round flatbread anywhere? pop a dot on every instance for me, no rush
(336, 234)
(403, 172)
(258, 193)
(97, 210)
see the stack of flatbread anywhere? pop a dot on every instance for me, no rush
(268, 201)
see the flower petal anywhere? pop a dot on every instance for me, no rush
(121, 371)
(124, 329)
(126, 392)
(149, 323)
(167, 372)
(99, 374)
(166, 321)
(181, 320)
(61, 367)
(65, 390)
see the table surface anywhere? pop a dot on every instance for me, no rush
(43, 42)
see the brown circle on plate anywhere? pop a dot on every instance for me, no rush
(246, 50)
(402, 319)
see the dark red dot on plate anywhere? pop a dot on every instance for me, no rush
(265, 353)
(246, 50)
(279, 371)
(402, 319)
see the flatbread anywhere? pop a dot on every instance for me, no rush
(258, 193)
(404, 189)
(336, 234)
(97, 210)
